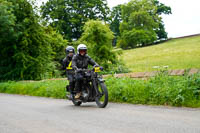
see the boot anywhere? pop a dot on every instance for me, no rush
(78, 95)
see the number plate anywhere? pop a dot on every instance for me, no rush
(97, 69)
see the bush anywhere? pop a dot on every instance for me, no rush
(98, 38)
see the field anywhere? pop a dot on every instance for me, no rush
(181, 53)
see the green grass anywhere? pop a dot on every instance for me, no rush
(48, 88)
(159, 90)
(181, 53)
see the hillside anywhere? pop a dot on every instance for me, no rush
(180, 53)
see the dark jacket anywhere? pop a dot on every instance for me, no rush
(81, 62)
(67, 64)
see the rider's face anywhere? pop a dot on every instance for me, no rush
(82, 52)
(70, 54)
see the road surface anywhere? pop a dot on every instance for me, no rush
(25, 114)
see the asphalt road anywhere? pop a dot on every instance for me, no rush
(25, 114)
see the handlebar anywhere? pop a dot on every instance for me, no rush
(95, 69)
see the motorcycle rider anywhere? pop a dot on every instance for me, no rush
(67, 65)
(80, 61)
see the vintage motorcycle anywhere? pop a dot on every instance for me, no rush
(93, 88)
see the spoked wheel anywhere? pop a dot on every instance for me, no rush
(102, 97)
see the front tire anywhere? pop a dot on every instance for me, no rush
(102, 97)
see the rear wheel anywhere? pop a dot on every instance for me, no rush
(102, 97)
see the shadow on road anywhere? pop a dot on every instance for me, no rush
(83, 106)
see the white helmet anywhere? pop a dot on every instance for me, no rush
(81, 47)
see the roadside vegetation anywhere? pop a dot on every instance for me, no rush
(160, 90)
(175, 54)
(47, 88)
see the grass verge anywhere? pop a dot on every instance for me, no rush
(47, 88)
(159, 90)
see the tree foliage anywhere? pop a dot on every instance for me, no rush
(27, 51)
(7, 22)
(58, 45)
(98, 37)
(69, 17)
(140, 18)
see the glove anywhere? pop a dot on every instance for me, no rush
(101, 68)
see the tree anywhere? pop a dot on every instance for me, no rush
(140, 18)
(98, 38)
(69, 17)
(27, 51)
(161, 34)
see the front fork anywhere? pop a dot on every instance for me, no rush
(95, 83)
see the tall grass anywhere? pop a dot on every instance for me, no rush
(159, 90)
(177, 54)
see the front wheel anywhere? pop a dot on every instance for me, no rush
(102, 97)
